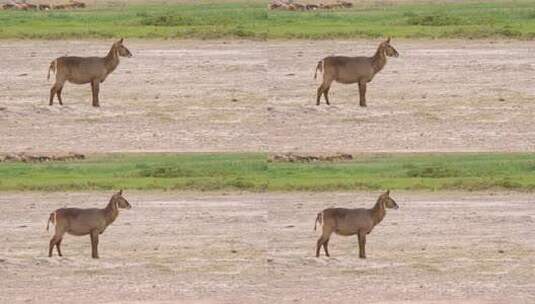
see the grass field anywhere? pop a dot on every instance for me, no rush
(252, 172)
(511, 19)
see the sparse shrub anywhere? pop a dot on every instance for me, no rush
(433, 171)
(165, 172)
(240, 183)
(508, 184)
(167, 20)
(437, 19)
(507, 31)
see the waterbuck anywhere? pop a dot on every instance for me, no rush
(349, 70)
(92, 221)
(348, 222)
(82, 70)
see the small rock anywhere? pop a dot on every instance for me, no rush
(234, 251)
(270, 260)
(270, 108)
(2, 260)
(3, 108)
(501, 99)
(22, 226)
(290, 226)
(290, 74)
(234, 100)
(501, 251)
(23, 74)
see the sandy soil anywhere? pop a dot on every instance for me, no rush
(252, 96)
(437, 96)
(258, 248)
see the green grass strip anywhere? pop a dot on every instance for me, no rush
(252, 172)
(252, 20)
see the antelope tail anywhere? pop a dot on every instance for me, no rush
(318, 220)
(51, 219)
(52, 68)
(318, 67)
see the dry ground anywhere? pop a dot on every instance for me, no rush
(252, 96)
(258, 248)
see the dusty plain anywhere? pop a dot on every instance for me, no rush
(198, 96)
(259, 248)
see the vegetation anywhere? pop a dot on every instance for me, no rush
(252, 172)
(251, 19)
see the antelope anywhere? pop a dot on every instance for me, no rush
(93, 221)
(82, 70)
(299, 6)
(349, 70)
(346, 222)
(326, 6)
(77, 4)
(345, 4)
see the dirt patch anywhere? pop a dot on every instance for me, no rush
(200, 96)
(304, 158)
(259, 248)
(296, 6)
(43, 157)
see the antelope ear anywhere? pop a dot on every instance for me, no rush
(121, 192)
(388, 40)
(387, 192)
(121, 41)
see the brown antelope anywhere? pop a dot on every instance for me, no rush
(77, 4)
(82, 70)
(349, 70)
(44, 7)
(348, 222)
(345, 4)
(79, 222)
